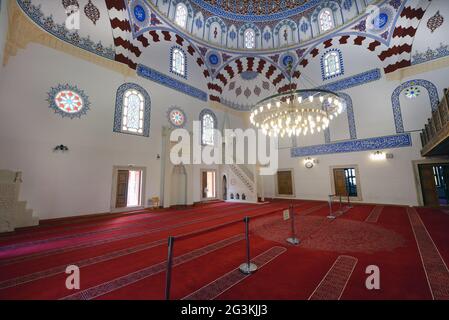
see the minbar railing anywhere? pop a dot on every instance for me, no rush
(435, 135)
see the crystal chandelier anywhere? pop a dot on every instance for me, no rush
(295, 113)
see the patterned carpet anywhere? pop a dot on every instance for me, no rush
(123, 256)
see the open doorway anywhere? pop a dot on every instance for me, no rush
(434, 180)
(345, 182)
(208, 185)
(127, 188)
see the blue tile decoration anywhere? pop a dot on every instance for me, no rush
(354, 81)
(53, 93)
(378, 143)
(350, 114)
(213, 59)
(185, 62)
(340, 61)
(119, 109)
(347, 4)
(395, 101)
(158, 77)
(430, 54)
(60, 31)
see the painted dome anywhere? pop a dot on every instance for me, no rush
(246, 10)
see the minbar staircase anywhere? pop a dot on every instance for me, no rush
(243, 176)
(435, 135)
(13, 213)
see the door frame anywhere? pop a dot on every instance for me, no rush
(216, 184)
(357, 176)
(415, 164)
(287, 196)
(115, 170)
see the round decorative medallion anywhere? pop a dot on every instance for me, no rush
(213, 59)
(68, 101)
(412, 92)
(287, 58)
(381, 21)
(140, 13)
(176, 117)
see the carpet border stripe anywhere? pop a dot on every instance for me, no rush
(139, 275)
(235, 275)
(375, 214)
(332, 272)
(430, 260)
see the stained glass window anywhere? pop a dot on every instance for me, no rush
(133, 112)
(332, 64)
(207, 129)
(412, 92)
(250, 39)
(326, 20)
(181, 15)
(178, 63)
(69, 101)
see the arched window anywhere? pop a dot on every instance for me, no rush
(332, 65)
(181, 15)
(249, 39)
(178, 62)
(208, 124)
(132, 114)
(326, 20)
(132, 110)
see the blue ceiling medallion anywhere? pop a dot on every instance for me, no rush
(287, 58)
(213, 59)
(140, 13)
(381, 21)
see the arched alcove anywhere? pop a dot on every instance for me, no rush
(396, 105)
(178, 186)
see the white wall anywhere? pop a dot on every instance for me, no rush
(79, 181)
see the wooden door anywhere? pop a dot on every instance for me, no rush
(340, 182)
(122, 189)
(285, 183)
(428, 186)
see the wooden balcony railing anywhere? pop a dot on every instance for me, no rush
(435, 135)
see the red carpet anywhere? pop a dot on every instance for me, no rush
(122, 256)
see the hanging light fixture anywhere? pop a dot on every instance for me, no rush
(297, 112)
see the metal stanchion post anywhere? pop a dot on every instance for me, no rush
(293, 239)
(171, 242)
(331, 215)
(349, 201)
(247, 267)
(340, 203)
